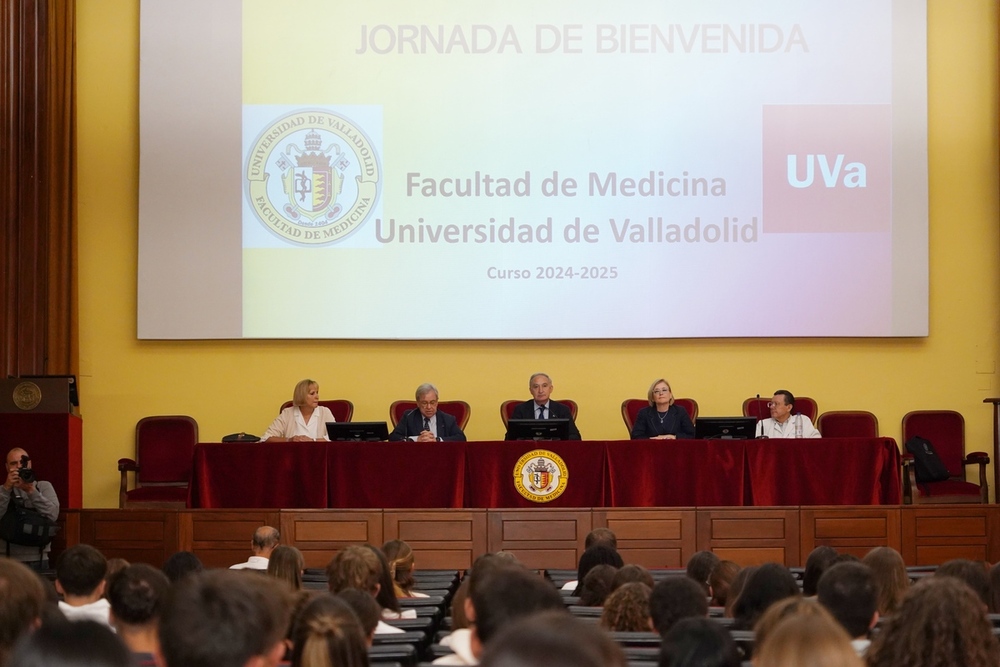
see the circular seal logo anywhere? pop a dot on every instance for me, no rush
(312, 177)
(27, 396)
(541, 476)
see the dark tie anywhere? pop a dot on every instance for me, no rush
(541, 412)
(427, 424)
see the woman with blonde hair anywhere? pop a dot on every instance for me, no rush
(807, 640)
(891, 578)
(399, 556)
(305, 420)
(287, 564)
(662, 420)
(328, 634)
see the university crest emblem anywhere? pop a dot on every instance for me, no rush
(541, 476)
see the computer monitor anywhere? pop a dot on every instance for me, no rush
(538, 429)
(357, 431)
(725, 428)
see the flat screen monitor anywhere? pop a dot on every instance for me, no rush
(357, 431)
(538, 429)
(725, 428)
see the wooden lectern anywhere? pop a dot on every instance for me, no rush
(36, 414)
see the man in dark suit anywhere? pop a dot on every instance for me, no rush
(426, 423)
(542, 407)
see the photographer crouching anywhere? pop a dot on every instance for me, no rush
(22, 490)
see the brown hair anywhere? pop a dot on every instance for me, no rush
(779, 611)
(399, 555)
(22, 599)
(627, 609)
(286, 564)
(721, 580)
(354, 567)
(891, 579)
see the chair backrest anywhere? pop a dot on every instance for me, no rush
(848, 424)
(460, 410)
(631, 407)
(757, 407)
(945, 429)
(507, 408)
(341, 408)
(164, 448)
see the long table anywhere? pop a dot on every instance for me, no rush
(642, 473)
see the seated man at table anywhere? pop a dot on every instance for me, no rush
(426, 423)
(542, 407)
(784, 424)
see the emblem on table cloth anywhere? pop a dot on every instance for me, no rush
(541, 476)
(312, 177)
(27, 396)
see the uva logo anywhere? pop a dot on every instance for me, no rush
(850, 175)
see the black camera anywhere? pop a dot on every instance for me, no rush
(26, 474)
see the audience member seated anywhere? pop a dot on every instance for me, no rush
(401, 567)
(779, 611)
(720, 582)
(972, 573)
(181, 564)
(115, 565)
(632, 573)
(83, 643)
(265, 540)
(135, 595)
(698, 642)
(328, 634)
(427, 423)
(365, 608)
(766, 585)
(552, 639)
(358, 567)
(459, 620)
(817, 562)
(995, 589)
(22, 601)
(222, 618)
(287, 564)
(674, 598)
(542, 407)
(627, 609)
(386, 596)
(848, 592)
(699, 568)
(662, 420)
(80, 574)
(598, 554)
(597, 585)
(604, 536)
(940, 622)
(813, 640)
(304, 421)
(891, 578)
(784, 424)
(735, 588)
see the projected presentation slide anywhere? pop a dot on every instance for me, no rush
(532, 170)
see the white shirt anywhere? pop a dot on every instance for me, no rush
(548, 410)
(460, 641)
(796, 426)
(95, 611)
(253, 563)
(384, 628)
(291, 423)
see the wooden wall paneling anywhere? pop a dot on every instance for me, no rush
(540, 538)
(440, 539)
(849, 530)
(138, 536)
(933, 535)
(221, 538)
(320, 534)
(751, 536)
(652, 537)
(68, 535)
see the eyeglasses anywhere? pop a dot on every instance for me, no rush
(427, 404)
(661, 391)
(772, 404)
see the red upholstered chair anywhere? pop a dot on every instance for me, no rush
(631, 407)
(507, 408)
(460, 410)
(848, 424)
(753, 407)
(164, 448)
(342, 409)
(945, 429)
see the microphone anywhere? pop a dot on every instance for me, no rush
(760, 419)
(406, 425)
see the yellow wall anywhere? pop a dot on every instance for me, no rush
(237, 385)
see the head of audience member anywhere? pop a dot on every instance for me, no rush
(482, 567)
(817, 563)
(328, 634)
(604, 536)
(427, 399)
(136, 594)
(845, 558)
(781, 405)
(115, 565)
(265, 540)
(181, 564)
(891, 578)
(766, 585)
(660, 395)
(591, 558)
(365, 608)
(779, 611)
(813, 640)
(995, 589)
(80, 572)
(674, 598)
(698, 642)
(401, 563)
(699, 568)
(223, 618)
(354, 567)
(597, 585)
(459, 620)
(22, 601)
(632, 573)
(504, 595)
(287, 564)
(736, 587)
(848, 592)
(720, 582)
(941, 621)
(386, 594)
(63, 644)
(627, 609)
(552, 639)
(306, 394)
(972, 573)
(540, 385)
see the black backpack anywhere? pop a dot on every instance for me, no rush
(929, 467)
(26, 526)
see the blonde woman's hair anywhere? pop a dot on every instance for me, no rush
(301, 390)
(649, 394)
(399, 555)
(807, 640)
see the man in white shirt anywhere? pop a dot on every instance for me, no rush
(80, 573)
(783, 423)
(265, 540)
